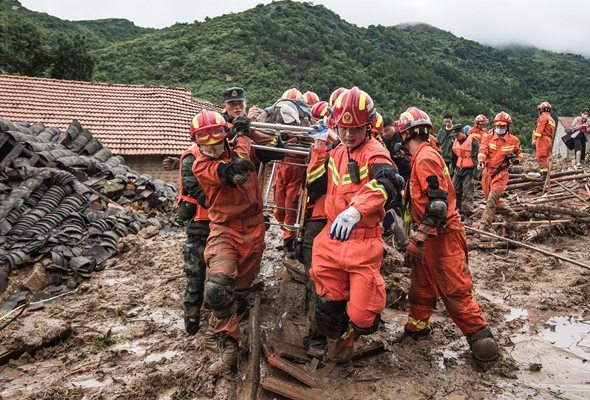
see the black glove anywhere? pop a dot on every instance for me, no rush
(242, 125)
(235, 172)
(513, 159)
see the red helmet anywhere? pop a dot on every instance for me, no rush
(335, 95)
(377, 123)
(503, 119)
(544, 106)
(413, 118)
(291, 94)
(310, 98)
(320, 110)
(353, 108)
(480, 119)
(208, 128)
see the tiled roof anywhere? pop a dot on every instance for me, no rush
(566, 122)
(128, 119)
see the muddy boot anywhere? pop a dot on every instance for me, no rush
(223, 351)
(289, 249)
(468, 209)
(509, 213)
(488, 215)
(342, 349)
(192, 318)
(542, 177)
(483, 345)
(423, 334)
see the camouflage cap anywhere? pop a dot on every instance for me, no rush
(233, 94)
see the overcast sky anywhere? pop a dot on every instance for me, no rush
(561, 26)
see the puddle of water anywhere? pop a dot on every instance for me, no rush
(447, 355)
(158, 356)
(89, 383)
(570, 334)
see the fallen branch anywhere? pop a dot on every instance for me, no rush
(529, 185)
(554, 209)
(527, 246)
(572, 192)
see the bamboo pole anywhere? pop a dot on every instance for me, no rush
(530, 185)
(526, 246)
(555, 209)
(572, 192)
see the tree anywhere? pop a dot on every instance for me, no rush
(23, 46)
(71, 59)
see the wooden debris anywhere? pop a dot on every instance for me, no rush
(288, 350)
(529, 185)
(293, 370)
(554, 209)
(254, 348)
(289, 390)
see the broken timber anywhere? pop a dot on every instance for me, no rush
(529, 185)
(541, 208)
(254, 347)
(291, 369)
(526, 246)
(289, 390)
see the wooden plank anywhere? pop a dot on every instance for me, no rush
(288, 350)
(289, 390)
(293, 370)
(14, 153)
(3, 138)
(254, 347)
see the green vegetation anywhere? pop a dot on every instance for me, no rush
(273, 47)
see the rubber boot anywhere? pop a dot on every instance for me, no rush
(510, 214)
(468, 209)
(488, 215)
(192, 319)
(483, 345)
(223, 352)
(423, 334)
(342, 349)
(542, 177)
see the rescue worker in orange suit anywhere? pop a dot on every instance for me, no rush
(479, 130)
(497, 152)
(543, 137)
(464, 159)
(192, 212)
(437, 253)
(236, 242)
(359, 181)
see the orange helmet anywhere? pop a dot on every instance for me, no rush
(480, 119)
(353, 108)
(320, 110)
(414, 118)
(291, 94)
(310, 98)
(544, 106)
(335, 95)
(503, 119)
(208, 128)
(377, 124)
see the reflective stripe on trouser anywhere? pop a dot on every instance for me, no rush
(287, 190)
(195, 270)
(445, 274)
(543, 150)
(463, 186)
(237, 253)
(351, 271)
(489, 184)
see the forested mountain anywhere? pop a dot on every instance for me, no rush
(273, 47)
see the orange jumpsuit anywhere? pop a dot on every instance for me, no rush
(477, 133)
(493, 151)
(445, 271)
(287, 192)
(350, 270)
(236, 241)
(542, 138)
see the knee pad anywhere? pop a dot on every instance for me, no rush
(219, 294)
(331, 317)
(371, 329)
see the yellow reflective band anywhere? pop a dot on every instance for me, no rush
(273, 143)
(508, 148)
(418, 324)
(543, 170)
(374, 185)
(316, 173)
(363, 172)
(335, 174)
(537, 134)
(362, 101)
(445, 170)
(288, 228)
(481, 155)
(552, 123)
(492, 146)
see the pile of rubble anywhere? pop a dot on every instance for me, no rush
(65, 200)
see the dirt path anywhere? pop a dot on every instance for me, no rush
(128, 341)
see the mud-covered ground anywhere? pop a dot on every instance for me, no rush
(126, 338)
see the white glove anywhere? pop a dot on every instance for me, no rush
(320, 132)
(345, 223)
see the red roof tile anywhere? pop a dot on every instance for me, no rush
(128, 119)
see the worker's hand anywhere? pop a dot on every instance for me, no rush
(513, 159)
(254, 112)
(480, 165)
(242, 125)
(415, 253)
(344, 224)
(534, 143)
(171, 163)
(320, 132)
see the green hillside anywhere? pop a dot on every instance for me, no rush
(273, 47)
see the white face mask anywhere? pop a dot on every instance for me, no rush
(500, 131)
(584, 116)
(213, 151)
